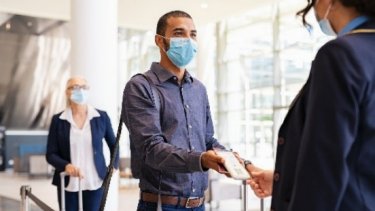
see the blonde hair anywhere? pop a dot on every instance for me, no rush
(68, 84)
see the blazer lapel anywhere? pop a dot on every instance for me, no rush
(294, 102)
(66, 136)
(94, 128)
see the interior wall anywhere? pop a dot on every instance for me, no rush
(34, 67)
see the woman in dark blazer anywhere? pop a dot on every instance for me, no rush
(75, 145)
(326, 145)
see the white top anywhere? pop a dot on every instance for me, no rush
(81, 151)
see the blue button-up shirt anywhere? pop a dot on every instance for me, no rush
(169, 140)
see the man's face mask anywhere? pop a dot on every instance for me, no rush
(181, 50)
(79, 96)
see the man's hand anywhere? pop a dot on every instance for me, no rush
(211, 160)
(261, 181)
(73, 171)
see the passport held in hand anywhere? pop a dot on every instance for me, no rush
(233, 166)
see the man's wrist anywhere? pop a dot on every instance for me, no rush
(195, 162)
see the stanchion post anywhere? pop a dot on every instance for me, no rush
(24, 199)
(245, 196)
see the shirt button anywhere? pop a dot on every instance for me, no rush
(280, 140)
(182, 88)
(175, 78)
(193, 148)
(187, 106)
(276, 177)
(190, 126)
(193, 189)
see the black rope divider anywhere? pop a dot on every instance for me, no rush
(108, 177)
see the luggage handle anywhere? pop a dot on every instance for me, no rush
(62, 182)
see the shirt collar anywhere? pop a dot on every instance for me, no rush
(353, 24)
(68, 116)
(164, 75)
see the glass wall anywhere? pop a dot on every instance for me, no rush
(267, 59)
(34, 66)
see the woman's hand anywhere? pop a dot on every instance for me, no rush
(73, 171)
(261, 181)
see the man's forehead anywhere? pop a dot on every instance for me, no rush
(180, 23)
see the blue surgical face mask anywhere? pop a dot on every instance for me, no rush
(181, 51)
(79, 96)
(325, 25)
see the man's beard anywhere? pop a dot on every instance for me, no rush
(166, 44)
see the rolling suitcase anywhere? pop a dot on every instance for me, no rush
(62, 179)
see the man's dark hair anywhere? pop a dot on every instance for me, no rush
(162, 23)
(364, 7)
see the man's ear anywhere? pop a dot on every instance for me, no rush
(159, 41)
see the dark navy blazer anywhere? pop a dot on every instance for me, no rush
(326, 147)
(58, 145)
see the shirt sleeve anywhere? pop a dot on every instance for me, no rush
(142, 119)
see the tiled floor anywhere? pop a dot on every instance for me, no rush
(10, 184)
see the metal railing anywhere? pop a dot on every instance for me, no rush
(25, 202)
(26, 194)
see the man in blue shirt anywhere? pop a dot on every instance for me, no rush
(168, 116)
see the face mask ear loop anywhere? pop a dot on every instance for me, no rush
(163, 42)
(328, 10)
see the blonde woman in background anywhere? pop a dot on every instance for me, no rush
(75, 145)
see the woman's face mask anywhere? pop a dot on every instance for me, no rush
(181, 50)
(79, 96)
(324, 23)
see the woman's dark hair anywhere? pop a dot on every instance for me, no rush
(304, 11)
(162, 23)
(365, 7)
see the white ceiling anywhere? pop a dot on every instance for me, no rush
(147, 12)
(142, 14)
